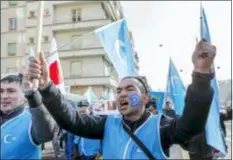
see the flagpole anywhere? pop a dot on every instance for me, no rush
(39, 34)
(69, 43)
(165, 96)
(39, 27)
(200, 31)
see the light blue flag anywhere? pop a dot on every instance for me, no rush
(31, 54)
(159, 96)
(175, 89)
(214, 135)
(91, 97)
(116, 42)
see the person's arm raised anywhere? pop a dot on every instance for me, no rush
(66, 117)
(197, 101)
(69, 119)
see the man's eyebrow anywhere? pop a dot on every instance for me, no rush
(10, 88)
(118, 88)
(129, 86)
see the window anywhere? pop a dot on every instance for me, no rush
(32, 14)
(12, 3)
(12, 49)
(12, 23)
(76, 43)
(76, 15)
(106, 70)
(31, 40)
(46, 39)
(76, 68)
(11, 70)
(46, 12)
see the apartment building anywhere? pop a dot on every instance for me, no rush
(84, 61)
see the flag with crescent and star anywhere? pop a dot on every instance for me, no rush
(175, 89)
(116, 42)
(214, 135)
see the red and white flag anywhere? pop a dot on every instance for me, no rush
(55, 69)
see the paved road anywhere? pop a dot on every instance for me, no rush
(48, 152)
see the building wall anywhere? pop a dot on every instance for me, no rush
(83, 67)
(81, 59)
(81, 90)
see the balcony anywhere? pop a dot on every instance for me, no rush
(61, 24)
(81, 52)
(88, 81)
(68, 3)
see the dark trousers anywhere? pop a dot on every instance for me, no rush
(83, 157)
(194, 156)
(69, 146)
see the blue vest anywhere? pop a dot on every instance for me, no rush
(117, 144)
(87, 147)
(16, 140)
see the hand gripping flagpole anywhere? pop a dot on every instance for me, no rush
(39, 35)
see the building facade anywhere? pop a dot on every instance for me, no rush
(84, 61)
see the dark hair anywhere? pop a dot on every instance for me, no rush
(13, 78)
(152, 103)
(139, 79)
(83, 103)
(168, 102)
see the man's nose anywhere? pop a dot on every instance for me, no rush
(123, 93)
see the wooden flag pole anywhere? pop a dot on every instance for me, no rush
(39, 27)
(39, 34)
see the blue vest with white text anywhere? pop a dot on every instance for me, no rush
(16, 140)
(88, 147)
(117, 144)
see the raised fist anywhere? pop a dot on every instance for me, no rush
(203, 57)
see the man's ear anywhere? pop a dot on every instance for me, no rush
(145, 98)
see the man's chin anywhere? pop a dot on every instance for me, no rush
(6, 109)
(126, 112)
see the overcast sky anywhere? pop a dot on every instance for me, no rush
(175, 25)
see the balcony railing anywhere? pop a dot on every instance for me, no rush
(67, 23)
(92, 80)
(81, 52)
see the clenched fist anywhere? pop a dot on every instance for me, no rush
(38, 69)
(203, 57)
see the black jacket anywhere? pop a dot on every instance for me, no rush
(173, 131)
(170, 113)
(225, 117)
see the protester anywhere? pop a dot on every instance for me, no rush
(69, 146)
(225, 116)
(88, 149)
(156, 132)
(22, 130)
(169, 111)
(69, 137)
(43, 147)
(152, 107)
(56, 137)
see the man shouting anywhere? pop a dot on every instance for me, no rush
(116, 131)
